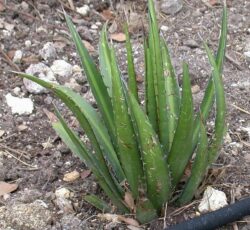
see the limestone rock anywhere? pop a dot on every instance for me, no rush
(19, 105)
(84, 10)
(25, 216)
(41, 71)
(171, 6)
(212, 200)
(62, 68)
(48, 51)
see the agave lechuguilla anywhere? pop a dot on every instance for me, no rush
(136, 151)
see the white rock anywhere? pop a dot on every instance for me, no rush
(19, 105)
(6, 33)
(171, 6)
(48, 51)
(164, 28)
(41, 29)
(227, 138)
(98, 24)
(62, 68)
(84, 10)
(1, 23)
(27, 43)
(16, 91)
(212, 200)
(94, 27)
(247, 55)
(246, 129)
(63, 193)
(18, 56)
(41, 71)
(64, 205)
(25, 6)
(76, 69)
(9, 27)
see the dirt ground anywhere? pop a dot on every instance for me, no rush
(32, 156)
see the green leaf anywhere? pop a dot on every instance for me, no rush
(172, 93)
(181, 150)
(132, 85)
(208, 99)
(199, 168)
(89, 121)
(104, 60)
(158, 73)
(154, 164)
(145, 211)
(223, 40)
(150, 98)
(98, 168)
(127, 146)
(98, 203)
(95, 80)
(220, 109)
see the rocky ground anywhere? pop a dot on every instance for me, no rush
(47, 181)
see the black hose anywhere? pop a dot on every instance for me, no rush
(216, 219)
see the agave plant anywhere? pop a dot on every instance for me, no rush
(138, 154)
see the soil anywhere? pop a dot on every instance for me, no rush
(29, 140)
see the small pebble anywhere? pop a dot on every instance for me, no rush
(25, 6)
(72, 176)
(27, 43)
(62, 68)
(191, 43)
(84, 10)
(62, 192)
(48, 51)
(17, 91)
(195, 89)
(164, 28)
(247, 55)
(94, 27)
(22, 127)
(18, 56)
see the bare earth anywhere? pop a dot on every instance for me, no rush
(32, 156)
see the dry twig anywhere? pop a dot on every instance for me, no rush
(9, 61)
(182, 209)
(18, 159)
(242, 110)
(22, 154)
(234, 62)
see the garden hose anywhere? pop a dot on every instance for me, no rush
(216, 219)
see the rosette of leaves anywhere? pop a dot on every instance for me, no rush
(138, 153)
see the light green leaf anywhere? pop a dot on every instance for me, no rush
(181, 150)
(154, 164)
(128, 151)
(172, 94)
(89, 121)
(150, 98)
(95, 80)
(199, 168)
(158, 74)
(220, 109)
(98, 168)
(132, 85)
(104, 60)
